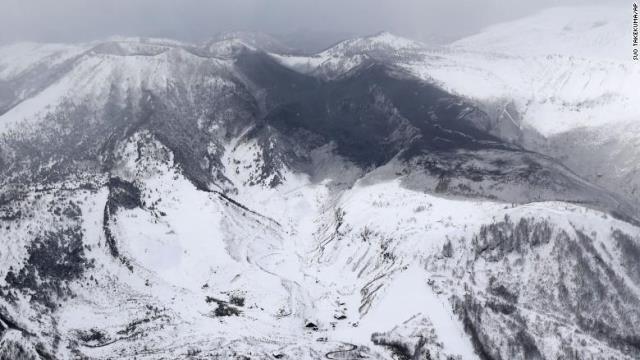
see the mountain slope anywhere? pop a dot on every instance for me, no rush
(547, 82)
(577, 91)
(187, 258)
(591, 32)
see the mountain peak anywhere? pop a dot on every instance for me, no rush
(382, 41)
(252, 40)
(227, 47)
(392, 40)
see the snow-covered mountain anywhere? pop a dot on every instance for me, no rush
(549, 81)
(230, 200)
(567, 76)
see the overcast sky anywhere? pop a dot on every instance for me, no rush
(194, 20)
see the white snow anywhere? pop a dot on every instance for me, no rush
(18, 58)
(594, 32)
(564, 68)
(94, 76)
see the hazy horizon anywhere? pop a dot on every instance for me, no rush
(298, 23)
